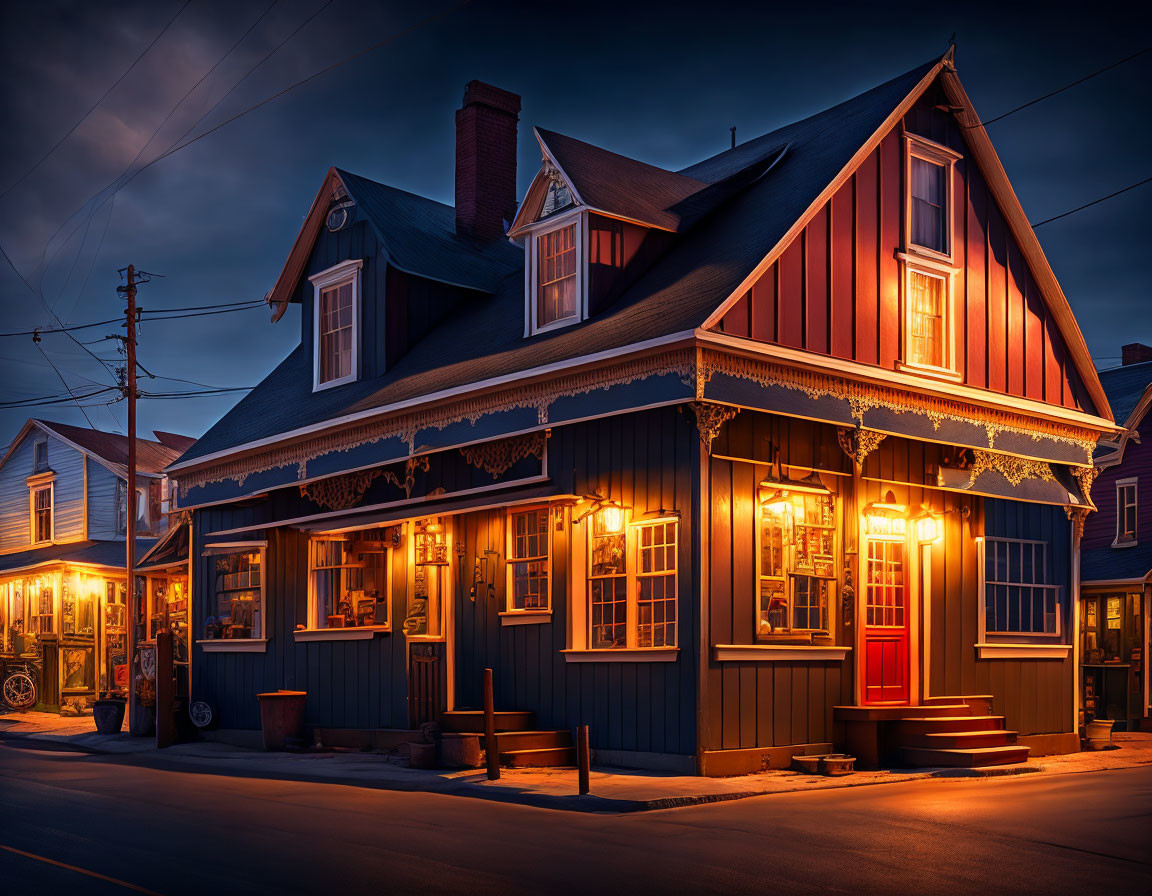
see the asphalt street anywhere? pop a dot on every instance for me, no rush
(146, 827)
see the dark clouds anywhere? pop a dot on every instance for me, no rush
(660, 82)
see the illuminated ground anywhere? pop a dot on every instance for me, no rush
(174, 832)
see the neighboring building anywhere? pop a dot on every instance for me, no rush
(1116, 560)
(751, 459)
(64, 504)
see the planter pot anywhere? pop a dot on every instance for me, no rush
(836, 764)
(282, 717)
(1098, 734)
(422, 755)
(142, 721)
(461, 751)
(108, 715)
(809, 765)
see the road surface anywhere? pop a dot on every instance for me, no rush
(150, 828)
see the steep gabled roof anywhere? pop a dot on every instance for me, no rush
(108, 448)
(173, 440)
(608, 182)
(1125, 387)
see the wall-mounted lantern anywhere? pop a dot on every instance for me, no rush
(776, 493)
(886, 517)
(928, 528)
(431, 546)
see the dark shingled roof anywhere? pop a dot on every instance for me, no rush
(621, 186)
(420, 237)
(485, 337)
(101, 553)
(151, 457)
(1124, 387)
(1105, 564)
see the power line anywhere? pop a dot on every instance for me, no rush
(1075, 83)
(103, 97)
(66, 386)
(157, 315)
(1090, 204)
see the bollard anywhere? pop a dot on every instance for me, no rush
(491, 749)
(583, 758)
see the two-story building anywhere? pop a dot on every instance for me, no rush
(768, 455)
(64, 505)
(1116, 559)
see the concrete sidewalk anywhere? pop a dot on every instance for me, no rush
(613, 790)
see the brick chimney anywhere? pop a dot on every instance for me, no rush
(1135, 353)
(486, 161)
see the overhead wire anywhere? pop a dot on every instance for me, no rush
(1090, 204)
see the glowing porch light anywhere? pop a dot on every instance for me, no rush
(928, 528)
(611, 519)
(886, 517)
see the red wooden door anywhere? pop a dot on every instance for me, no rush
(885, 669)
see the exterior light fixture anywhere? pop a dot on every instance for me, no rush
(611, 519)
(928, 527)
(776, 492)
(886, 517)
(431, 547)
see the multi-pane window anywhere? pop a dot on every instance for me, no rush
(237, 596)
(797, 564)
(1019, 597)
(336, 331)
(42, 514)
(528, 560)
(929, 206)
(1126, 511)
(632, 584)
(656, 585)
(927, 307)
(349, 580)
(884, 600)
(556, 273)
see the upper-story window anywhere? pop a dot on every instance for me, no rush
(927, 261)
(336, 325)
(41, 513)
(556, 275)
(40, 461)
(1126, 512)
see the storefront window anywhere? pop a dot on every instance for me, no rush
(237, 596)
(116, 635)
(349, 580)
(423, 616)
(797, 564)
(528, 560)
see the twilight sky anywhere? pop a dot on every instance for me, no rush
(656, 81)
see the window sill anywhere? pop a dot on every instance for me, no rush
(928, 258)
(1125, 544)
(633, 655)
(779, 653)
(352, 633)
(939, 373)
(525, 617)
(234, 645)
(1023, 651)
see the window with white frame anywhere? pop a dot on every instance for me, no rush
(927, 319)
(236, 596)
(1019, 595)
(348, 580)
(336, 325)
(529, 560)
(797, 567)
(41, 505)
(928, 194)
(40, 457)
(632, 583)
(556, 280)
(1126, 512)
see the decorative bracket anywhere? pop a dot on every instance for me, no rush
(1086, 477)
(709, 418)
(1014, 469)
(859, 443)
(340, 492)
(498, 457)
(1078, 515)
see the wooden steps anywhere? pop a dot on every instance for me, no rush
(916, 726)
(949, 740)
(519, 744)
(974, 757)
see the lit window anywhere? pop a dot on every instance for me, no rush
(556, 286)
(427, 584)
(529, 560)
(237, 596)
(42, 514)
(336, 332)
(884, 601)
(926, 319)
(797, 564)
(349, 580)
(929, 207)
(1126, 511)
(1018, 595)
(632, 584)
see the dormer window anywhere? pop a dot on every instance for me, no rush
(556, 274)
(558, 197)
(40, 461)
(926, 260)
(336, 325)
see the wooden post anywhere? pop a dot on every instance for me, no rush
(491, 749)
(583, 758)
(165, 690)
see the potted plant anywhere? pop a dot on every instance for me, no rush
(108, 713)
(142, 722)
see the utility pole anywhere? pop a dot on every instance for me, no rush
(130, 316)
